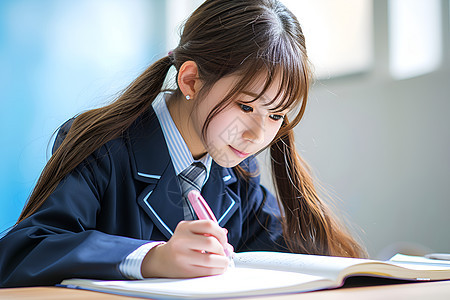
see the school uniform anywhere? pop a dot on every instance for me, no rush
(123, 196)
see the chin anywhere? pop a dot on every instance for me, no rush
(227, 163)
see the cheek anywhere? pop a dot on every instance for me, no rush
(199, 118)
(223, 128)
(270, 133)
(219, 135)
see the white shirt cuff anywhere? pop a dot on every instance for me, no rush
(130, 267)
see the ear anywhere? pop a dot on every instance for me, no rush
(188, 79)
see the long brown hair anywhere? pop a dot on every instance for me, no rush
(225, 37)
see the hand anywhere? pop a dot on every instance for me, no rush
(195, 249)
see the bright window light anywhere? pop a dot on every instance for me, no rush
(177, 13)
(338, 34)
(414, 37)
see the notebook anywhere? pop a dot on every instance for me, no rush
(270, 273)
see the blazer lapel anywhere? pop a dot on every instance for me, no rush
(163, 203)
(220, 198)
(151, 163)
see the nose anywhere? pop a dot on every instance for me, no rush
(254, 131)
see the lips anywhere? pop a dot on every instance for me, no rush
(239, 153)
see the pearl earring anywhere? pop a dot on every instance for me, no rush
(188, 97)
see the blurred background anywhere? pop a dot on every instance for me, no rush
(376, 132)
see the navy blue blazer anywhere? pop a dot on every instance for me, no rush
(122, 196)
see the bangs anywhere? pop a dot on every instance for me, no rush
(283, 60)
(286, 62)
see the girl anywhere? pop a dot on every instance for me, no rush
(110, 203)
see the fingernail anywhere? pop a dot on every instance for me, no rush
(228, 251)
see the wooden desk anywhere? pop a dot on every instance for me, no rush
(411, 291)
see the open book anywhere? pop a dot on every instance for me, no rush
(268, 273)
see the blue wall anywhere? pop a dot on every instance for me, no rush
(58, 58)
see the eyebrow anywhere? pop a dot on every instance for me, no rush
(254, 95)
(263, 97)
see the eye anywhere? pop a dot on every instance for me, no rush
(245, 108)
(276, 117)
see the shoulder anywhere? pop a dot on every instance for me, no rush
(113, 146)
(139, 129)
(244, 181)
(250, 164)
(250, 171)
(62, 132)
(98, 165)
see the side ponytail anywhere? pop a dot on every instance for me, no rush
(309, 226)
(93, 128)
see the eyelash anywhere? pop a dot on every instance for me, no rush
(248, 109)
(245, 108)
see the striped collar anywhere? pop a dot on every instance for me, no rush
(179, 152)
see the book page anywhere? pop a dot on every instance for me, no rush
(419, 263)
(419, 260)
(323, 266)
(234, 282)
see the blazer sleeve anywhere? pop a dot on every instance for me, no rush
(60, 240)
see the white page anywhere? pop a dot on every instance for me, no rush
(323, 266)
(418, 259)
(235, 280)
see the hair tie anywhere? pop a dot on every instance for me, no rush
(171, 57)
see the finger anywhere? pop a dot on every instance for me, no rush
(188, 236)
(192, 230)
(209, 260)
(210, 228)
(229, 250)
(205, 243)
(198, 271)
(230, 247)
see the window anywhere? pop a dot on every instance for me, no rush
(415, 37)
(338, 34)
(177, 11)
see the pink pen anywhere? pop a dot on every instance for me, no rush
(204, 212)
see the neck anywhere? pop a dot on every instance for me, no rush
(181, 110)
